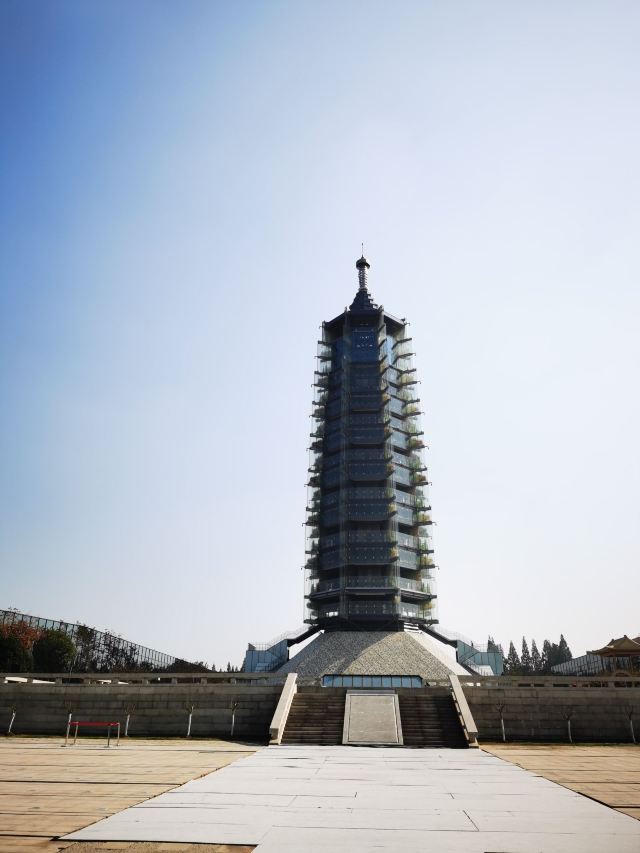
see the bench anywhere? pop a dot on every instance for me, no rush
(92, 724)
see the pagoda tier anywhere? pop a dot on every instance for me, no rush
(369, 558)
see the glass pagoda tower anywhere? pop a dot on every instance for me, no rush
(369, 563)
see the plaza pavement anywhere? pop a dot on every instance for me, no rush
(608, 773)
(47, 790)
(288, 799)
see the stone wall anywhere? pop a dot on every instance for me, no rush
(531, 713)
(157, 710)
(598, 714)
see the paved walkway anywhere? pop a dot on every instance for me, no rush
(607, 773)
(312, 799)
(47, 789)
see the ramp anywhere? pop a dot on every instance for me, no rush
(372, 718)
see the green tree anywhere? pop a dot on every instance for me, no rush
(525, 659)
(14, 656)
(53, 651)
(564, 652)
(512, 661)
(544, 657)
(536, 659)
(16, 645)
(179, 665)
(556, 653)
(117, 655)
(86, 640)
(492, 646)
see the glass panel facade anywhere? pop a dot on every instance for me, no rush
(368, 682)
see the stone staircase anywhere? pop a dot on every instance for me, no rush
(429, 718)
(316, 717)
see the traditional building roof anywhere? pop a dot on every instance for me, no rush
(622, 647)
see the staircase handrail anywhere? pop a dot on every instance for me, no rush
(279, 721)
(464, 711)
(269, 644)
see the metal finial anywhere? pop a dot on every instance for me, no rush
(362, 265)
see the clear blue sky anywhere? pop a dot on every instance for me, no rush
(183, 193)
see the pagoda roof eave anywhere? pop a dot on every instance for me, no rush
(339, 320)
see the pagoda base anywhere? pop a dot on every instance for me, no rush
(374, 653)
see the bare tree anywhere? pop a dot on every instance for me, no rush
(189, 707)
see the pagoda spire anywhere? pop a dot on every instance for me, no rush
(362, 265)
(363, 300)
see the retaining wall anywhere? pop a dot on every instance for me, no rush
(157, 710)
(598, 714)
(531, 713)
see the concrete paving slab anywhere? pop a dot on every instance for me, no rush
(306, 818)
(174, 798)
(357, 799)
(187, 831)
(290, 840)
(613, 823)
(237, 785)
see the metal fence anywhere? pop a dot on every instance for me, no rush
(98, 651)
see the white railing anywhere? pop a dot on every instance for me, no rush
(279, 721)
(464, 712)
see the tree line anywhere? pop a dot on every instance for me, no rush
(27, 649)
(530, 660)
(24, 648)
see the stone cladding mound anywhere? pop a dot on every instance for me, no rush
(368, 653)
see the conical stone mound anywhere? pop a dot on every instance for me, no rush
(372, 653)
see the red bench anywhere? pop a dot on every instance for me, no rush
(94, 724)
